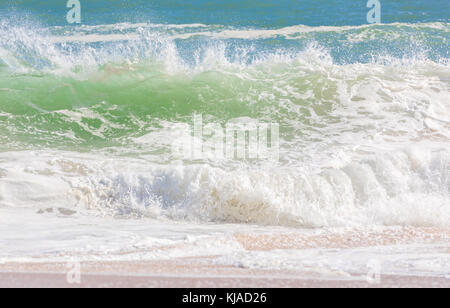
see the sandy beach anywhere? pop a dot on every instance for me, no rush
(206, 272)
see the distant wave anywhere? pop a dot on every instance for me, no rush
(56, 47)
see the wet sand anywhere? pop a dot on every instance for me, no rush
(209, 279)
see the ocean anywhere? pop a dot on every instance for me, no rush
(92, 114)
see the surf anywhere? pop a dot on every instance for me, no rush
(353, 121)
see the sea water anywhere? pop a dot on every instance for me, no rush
(89, 113)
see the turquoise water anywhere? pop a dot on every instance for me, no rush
(236, 13)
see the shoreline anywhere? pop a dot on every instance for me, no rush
(206, 272)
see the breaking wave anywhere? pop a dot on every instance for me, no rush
(363, 112)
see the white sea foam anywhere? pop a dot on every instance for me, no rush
(353, 263)
(186, 31)
(401, 188)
